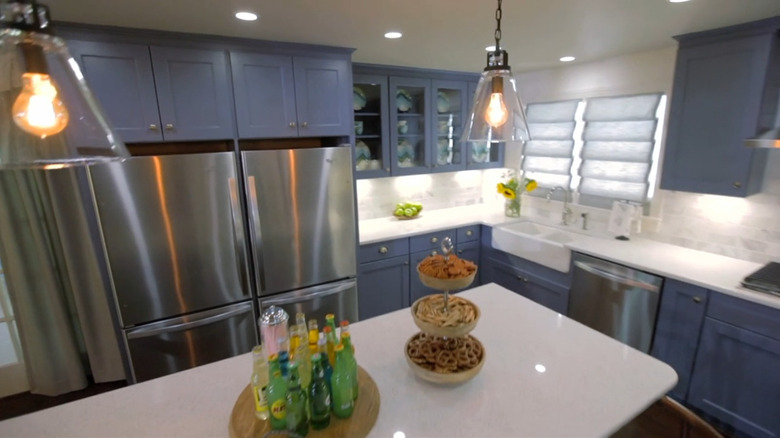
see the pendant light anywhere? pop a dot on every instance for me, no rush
(497, 114)
(48, 117)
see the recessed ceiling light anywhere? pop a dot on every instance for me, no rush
(678, 1)
(490, 48)
(567, 58)
(393, 35)
(246, 16)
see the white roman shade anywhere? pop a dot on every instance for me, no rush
(548, 156)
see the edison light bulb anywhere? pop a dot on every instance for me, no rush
(496, 114)
(38, 110)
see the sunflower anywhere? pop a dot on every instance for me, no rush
(508, 192)
(531, 185)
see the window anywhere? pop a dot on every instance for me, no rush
(602, 149)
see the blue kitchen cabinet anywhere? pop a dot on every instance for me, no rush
(383, 286)
(679, 323)
(372, 135)
(280, 96)
(540, 290)
(153, 94)
(448, 113)
(724, 92)
(735, 377)
(410, 126)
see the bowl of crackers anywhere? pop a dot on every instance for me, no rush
(458, 319)
(446, 273)
(444, 360)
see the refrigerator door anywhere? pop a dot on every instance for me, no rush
(173, 233)
(302, 216)
(338, 298)
(178, 344)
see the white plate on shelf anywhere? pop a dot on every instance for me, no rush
(358, 99)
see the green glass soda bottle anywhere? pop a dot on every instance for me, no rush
(260, 379)
(330, 336)
(297, 416)
(346, 340)
(276, 394)
(319, 394)
(322, 344)
(341, 385)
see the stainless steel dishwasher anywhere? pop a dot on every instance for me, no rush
(618, 301)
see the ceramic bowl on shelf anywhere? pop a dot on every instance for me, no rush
(403, 100)
(442, 102)
(358, 99)
(406, 154)
(358, 127)
(435, 373)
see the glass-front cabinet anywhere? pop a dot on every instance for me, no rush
(482, 155)
(410, 131)
(449, 112)
(372, 142)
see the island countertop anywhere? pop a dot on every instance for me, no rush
(544, 375)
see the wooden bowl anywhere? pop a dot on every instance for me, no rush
(449, 378)
(449, 331)
(446, 284)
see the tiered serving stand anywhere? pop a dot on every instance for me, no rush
(461, 330)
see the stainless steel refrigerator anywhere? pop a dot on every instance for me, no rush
(195, 242)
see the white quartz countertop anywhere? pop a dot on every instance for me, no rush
(711, 271)
(590, 385)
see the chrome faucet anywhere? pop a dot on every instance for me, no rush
(566, 214)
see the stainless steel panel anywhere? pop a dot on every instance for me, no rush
(618, 301)
(172, 232)
(302, 216)
(340, 299)
(178, 344)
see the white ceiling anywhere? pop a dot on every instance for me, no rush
(442, 34)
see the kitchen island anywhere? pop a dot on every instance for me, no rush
(544, 375)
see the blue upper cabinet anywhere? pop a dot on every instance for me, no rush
(121, 77)
(279, 96)
(724, 92)
(372, 135)
(410, 128)
(448, 113)
(152, 94)
(193, 93)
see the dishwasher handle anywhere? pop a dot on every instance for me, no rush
(618, 278)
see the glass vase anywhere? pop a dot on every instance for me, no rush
(512, 207)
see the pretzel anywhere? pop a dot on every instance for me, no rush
(444, 355)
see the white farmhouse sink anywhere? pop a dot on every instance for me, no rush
(538, 243)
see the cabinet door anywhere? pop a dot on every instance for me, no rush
(470, 251)
(418, 290)
(383, 286)
(736, 378)
(536, 289)
(372, 141)
(265, 95)
(120, 76)
(680, 317)
(193, 93)
(322, 96)
(448, 113)
(715, 106)
(410, 128)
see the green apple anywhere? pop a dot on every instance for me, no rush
(409, 212)
(399, 211)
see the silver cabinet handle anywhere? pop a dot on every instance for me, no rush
(622, 280)
(292, 124)
(434, 239)
(238, 233)
(152, 127)
(697, 299)
(383, 250)
(469, 232)
(305, 124)
(254, 217)
(169, 126)
(189, 322)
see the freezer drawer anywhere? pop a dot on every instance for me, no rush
(181, 343)
(339, 298)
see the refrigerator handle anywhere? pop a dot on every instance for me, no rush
(314, 292)
(238, 235)
(181, 324)
(257, 241)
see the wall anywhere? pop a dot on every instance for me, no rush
(743, 228)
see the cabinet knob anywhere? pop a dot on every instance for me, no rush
(469, 232)
(737, 184)
(406, 263)
(292, 124)
(387, 169)
(460, 251)
(383, 250)
(523, 279)
(169, 126)
(697, 299)
(305, 124)
(434, 239)
(152, 127)
(434, 253)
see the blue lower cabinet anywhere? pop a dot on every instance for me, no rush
(548, 294)
(736, 379)
(383, 286)
(680, 318)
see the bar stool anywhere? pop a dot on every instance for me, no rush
(668, 419)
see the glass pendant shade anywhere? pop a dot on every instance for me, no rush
(497, 114)
(48, 116)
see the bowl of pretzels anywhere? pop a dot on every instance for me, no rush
(444, 360)
(446, 273)
(459, 319)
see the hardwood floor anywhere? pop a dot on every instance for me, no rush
(24, 403)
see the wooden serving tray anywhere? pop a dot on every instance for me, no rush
(244, 424)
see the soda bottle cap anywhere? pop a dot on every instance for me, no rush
(339, 347)
(273, 357)
(346, 335)
(327, 329)
(344, 323)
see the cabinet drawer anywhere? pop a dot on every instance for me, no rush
(468, 234)
(431, 240)
(383, 250)
(745, 314)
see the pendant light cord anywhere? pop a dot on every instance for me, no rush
(498, 26)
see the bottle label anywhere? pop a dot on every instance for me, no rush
(261, 404)
(279, 409)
